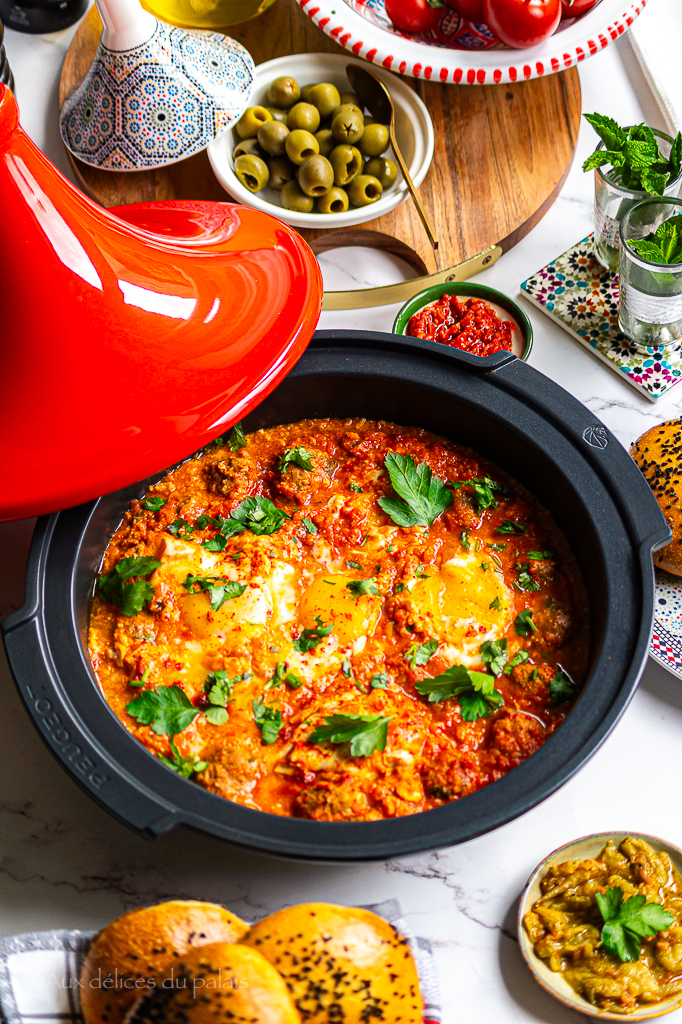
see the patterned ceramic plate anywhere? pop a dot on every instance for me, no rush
(666, 642)
(464, 53)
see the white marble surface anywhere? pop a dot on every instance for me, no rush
(65, 863)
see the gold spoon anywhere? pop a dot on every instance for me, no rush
(374, 95)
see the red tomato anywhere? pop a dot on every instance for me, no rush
(472, 10)
(415, 16)
(522, 23)
(577, 8)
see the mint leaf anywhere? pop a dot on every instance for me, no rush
(654, 183)
(166, 708)
(154, 503)
(675, 159)
(236, 440)
(608, 130)
(494, 654)
(297, 456)
(258, 515)
(423, 496)
(268, 720)
(561, 687)
(640, 154)
(626, 921)
(310, 638)
(219, 590)
(116, 586)
(359, 588)
(524, 624)
(365, 733)
(420, 654)
(184, 766)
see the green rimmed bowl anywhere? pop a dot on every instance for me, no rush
(521, 346)
(554, 983)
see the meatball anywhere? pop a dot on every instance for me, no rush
(231, 477)
(302, 485)
(516, 736)
(554, 625)
(462, 513)
(533, 680)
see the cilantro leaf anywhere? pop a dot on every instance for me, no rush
(219, 590)
(561, 687)
(524, 623)
(184, 766)
(418, 654)
(258, 515)
(379, 681)
(627, 921)
(509, 526)
(116, 586)
(268, 720)
(359, 588)
(154, 503)
(494, 654)
(297, 456)
(476, 690)
(310, 638)
(236, 440)
(309, 525)
(166, 708)
(365, 733)
(423, 496)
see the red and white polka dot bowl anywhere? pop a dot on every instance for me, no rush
(464, 53)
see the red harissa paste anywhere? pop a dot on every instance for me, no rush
(472, 326)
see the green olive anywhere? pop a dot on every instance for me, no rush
(277, 114)
(293, 198)
(343, 108)
(300, 145)
(325, 97)
(304, 115)
(346, 163)
(364, 190)
(348, 126)
(248, 124)
(326, 141)
(284, 92)
(252, 172)
(281, 171)
(315, 176)
(247, 146)
(271, 136)
(350, 97)
(306, 91)
(335, 201)
(384, 170)
(374, 141)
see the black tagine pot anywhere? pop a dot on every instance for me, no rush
(500, 407)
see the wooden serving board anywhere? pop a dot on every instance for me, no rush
(502, 153)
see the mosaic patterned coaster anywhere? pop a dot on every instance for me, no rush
(666, 642)
(582, 297)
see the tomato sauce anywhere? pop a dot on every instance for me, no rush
(472, 326)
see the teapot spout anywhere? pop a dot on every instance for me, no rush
(9, 116)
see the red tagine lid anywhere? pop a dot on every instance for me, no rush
(131, 337)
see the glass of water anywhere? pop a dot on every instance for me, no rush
(650, 305)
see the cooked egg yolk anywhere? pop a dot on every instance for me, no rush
(329, 598)
(463, 594)
(243, 614)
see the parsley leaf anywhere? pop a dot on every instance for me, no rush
(420, 655)
(236, 440)
(219, 590)
(525, 581)
(166, 708)
(359, 588)
(297, 456)
(524, 624)
(154, 503)
(309, 525)
(519, 658)
(216, 543)
(117, 587)
(539, 556)
(184, 766)
(495, 604)
(478, 697)
(268, 720)
(628, 921)
(281, 675)
(484, 489)
(366, 733)
(356, 488)
(219, 686)
(310, 638)
(561, 687)
(258, 515)
(180, 528)
(423, 496)
(509, 526)
(494, 654)
(379, 681)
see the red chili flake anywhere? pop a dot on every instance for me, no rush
(472, 326)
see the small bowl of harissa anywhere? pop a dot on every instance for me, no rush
(600, 925)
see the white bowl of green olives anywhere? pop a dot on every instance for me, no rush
(306, 152)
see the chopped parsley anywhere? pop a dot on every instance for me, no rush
(422, 496)
(365, 733)
(281, 675)
(627, 922)
(259, 515)
(184, 766)
(353, 565)
(356, 487)
(495, 547)
(219, 688)
(561, 687)
(297, 456)
(524, 624)
(218, 590)
(141, 681)
(539, 556)
(525, 581)
(310, 638)
(180, 528)
(216, 543)
(166, 708)
(309, 525)
(484, 491)
(154, 503)
(347, 669)
(509, 526)
(418, 654)
(268, 720)
(360, 588)
(476, 691)
(495, 604)
(117, 587)
(236, 439)
(494, 654)
(399, 588)
(379, 681)
(464, 540)
(519, 658)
